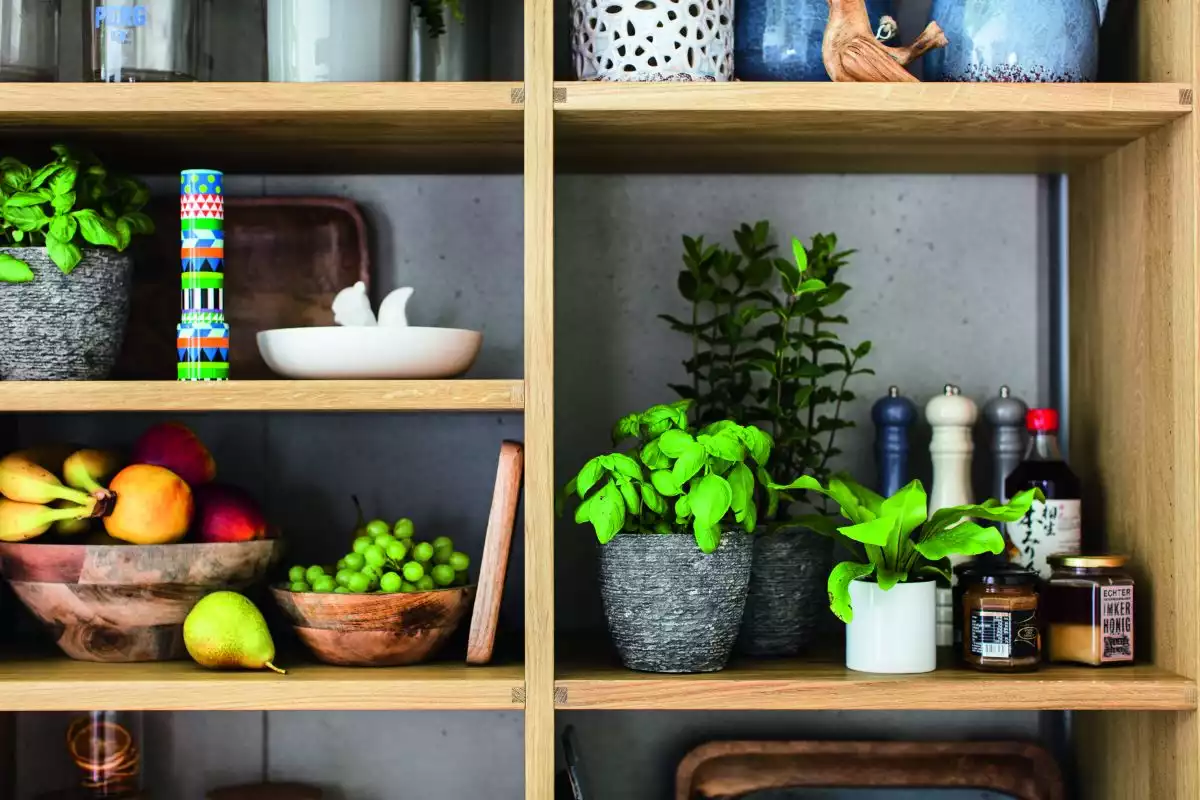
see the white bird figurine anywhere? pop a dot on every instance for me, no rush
(352, 307)
(392, 310)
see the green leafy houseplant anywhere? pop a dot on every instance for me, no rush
(896, 540)
(764, 348)
(434, 13)
(671, 478)
(72, 202)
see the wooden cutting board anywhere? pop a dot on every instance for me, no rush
(493, 566)
(285, 259)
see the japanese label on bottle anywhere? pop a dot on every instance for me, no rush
(1049, 528)
(1004, 634)
(1116, 623)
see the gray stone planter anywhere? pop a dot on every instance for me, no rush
(670, 607)
(788, 596)
(64, 327)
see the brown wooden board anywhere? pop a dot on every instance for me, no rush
(730, 770)
(494, 564)
(285, 259)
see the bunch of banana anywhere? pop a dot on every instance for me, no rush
(34, 498)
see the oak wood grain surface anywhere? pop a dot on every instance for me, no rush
(493, 565)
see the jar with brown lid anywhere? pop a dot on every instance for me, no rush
(1089, 610)
(1001, 629)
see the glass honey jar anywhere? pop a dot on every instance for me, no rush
(1001, 627)
(1089, 610)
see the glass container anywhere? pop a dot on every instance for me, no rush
(131, 41)
(29, 40)
(331, 40)
(1002, 632)
(1089, 610)
(106, 747)
(460, 52)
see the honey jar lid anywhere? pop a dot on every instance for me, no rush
(1107, 560)
(1004, 576)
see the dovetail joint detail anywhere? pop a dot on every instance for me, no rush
(516, 96)
(560, 696)
(518, 695)
(1185, 97)
(560, 95)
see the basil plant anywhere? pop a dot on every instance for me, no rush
(896, 539)
(669, 478)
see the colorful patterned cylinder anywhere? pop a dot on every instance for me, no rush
(202, 342)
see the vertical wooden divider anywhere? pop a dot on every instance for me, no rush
(539, 400)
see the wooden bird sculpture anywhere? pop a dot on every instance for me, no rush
(851, 52)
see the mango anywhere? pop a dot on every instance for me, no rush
(153, 506)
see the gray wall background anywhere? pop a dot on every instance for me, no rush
(950, 284)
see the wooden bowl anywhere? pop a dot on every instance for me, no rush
(124, 603)
(375, 630)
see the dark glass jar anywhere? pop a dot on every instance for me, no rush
(1001, 628)
(1089, 610)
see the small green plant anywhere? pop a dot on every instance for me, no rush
(434, 13)
(764, 349)
(71, 202)
(895, 540)
(671, 478)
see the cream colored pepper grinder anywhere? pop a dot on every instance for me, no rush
(951, 416)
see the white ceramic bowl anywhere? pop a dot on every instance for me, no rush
(361, 352)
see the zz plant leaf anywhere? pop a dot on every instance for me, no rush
(68, 204)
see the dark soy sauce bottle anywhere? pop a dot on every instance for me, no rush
(1054, 526)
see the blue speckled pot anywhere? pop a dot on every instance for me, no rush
(780, 40)
(1017, 41)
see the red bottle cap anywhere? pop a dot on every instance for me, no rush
(1043, 420)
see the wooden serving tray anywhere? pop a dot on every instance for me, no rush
(285, 259)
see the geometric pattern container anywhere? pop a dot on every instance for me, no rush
(202, 339)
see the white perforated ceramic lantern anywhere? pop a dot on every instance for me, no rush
(652, 40)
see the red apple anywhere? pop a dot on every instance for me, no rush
(227, 514)
(174, 446)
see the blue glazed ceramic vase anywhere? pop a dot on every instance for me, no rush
(780, 40)
(1017, 41)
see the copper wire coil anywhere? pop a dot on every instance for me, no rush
(106, 753)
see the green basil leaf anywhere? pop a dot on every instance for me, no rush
(26, 199)
(664, 483)
(14, 174)
(14, 270)
(141, 224)
(630, 494)
(723, 445)
(592, 471)
(758, 442)
(43, 174)
(608, 512)
(965, 539)
(674, 443)
(63, 203)
(683, 509)
(710, 499)
(626, 427)
(652, 456)
(63, 228)
(708, 537)
(839, 587)
(624, 465)
(95, 228)
(124, 234)
(65, 255)
(652, 499)
(28, 219)
(741, 487)
(689, 463)
(584, 512)
(64, 180)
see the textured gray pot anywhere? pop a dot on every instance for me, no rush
(670, 607)
(64, 327)
(788, 596)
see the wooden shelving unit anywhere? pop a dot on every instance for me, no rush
(450, 395)
(52, 683)
(1132, 153)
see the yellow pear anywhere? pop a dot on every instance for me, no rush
(226, 631)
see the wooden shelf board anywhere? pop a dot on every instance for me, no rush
(447, 395)
(274, 127)
(854, 127)
(802, 685)
(59, 684)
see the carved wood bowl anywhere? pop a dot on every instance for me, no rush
(123, 603)
(375, 630)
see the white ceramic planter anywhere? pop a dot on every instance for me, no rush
(893, 631)
(652, 40)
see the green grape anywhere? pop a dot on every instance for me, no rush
(384, 540)
(460, 578)
(390, 582)
(443, 574)
(371, 571)
(299, 586)
(423, 552)
(359, 583)
(425, 584)
(407, 587)
(297, 574)
(443, 541)
(313, 573)
(341, 590)
(403, 529)
(376, 527)
(324, 585)
(460, 561)
(413, 572)
(341, 563)
(362, 543)
(375, 555)
(355, 561)
(343, 576)
(441, 555)
(396, 551)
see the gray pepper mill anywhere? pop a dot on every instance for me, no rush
(1006, 415)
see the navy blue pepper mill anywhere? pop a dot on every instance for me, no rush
(892, 415)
